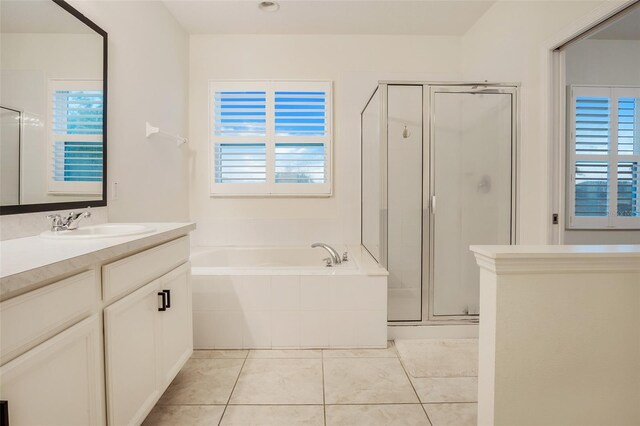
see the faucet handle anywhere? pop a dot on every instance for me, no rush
(55, 218)
(328, 262)
(345, 256)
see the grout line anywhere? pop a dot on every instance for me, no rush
(414, 388)
(233, 389)
(324, 398)
(292, 404)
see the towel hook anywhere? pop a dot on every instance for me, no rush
(152, 130)
(406, 133)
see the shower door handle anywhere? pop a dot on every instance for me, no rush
(433, 204)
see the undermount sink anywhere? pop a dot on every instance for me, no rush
(107, 230)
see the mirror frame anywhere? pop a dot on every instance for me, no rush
(42, 207)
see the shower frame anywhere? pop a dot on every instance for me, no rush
(429, 89)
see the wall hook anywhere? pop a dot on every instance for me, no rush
(406, 133)
(152, 130)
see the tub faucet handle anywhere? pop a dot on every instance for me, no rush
(345, 256)
(328, 262)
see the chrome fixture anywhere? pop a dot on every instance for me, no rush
(345, 256)
(328, 262)
(405, 132)
(335, 257)
(269, 6)
(67, 223)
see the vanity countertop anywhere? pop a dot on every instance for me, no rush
(25, 262)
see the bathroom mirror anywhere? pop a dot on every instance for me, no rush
(53, 104)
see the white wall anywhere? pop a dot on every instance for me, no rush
(603, 62)
(148, 72)
(507, 44)
(355, 64)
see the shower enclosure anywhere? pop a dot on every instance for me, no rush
(438, 175)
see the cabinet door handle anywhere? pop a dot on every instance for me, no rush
(164, 301)
(168, 293)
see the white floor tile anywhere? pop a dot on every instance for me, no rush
(452, 414)
(366, 381)
(273, 415)
(376, 415)
(184, 415)
(279, 381)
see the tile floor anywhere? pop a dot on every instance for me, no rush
(311, 387)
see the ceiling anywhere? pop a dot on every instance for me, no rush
(40, 17)
(626, 28)
(424, 17)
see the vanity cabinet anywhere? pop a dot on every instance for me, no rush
(148, 339)
(101, 346)
(59, 382)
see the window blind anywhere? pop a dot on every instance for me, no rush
(77, 161)
(628, 188)
(76, 132)
(240, 163)
(240, 113)
(628, 126)
(592, 125)
(592, 188)
(300, 113)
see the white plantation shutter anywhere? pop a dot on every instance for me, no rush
(604, 157)
(240, 163)
(271, 138)
(75, 129)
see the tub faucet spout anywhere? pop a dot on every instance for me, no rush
(332, 252)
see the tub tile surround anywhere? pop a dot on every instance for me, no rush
(290, 311)
(33, 261)
(317, 387)
(305, 306)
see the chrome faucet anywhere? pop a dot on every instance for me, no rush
(335, 257)
(67, 223)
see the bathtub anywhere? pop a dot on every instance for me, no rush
(285, 297)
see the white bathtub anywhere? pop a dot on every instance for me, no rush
(284, 297)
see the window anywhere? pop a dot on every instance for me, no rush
(270, 138)
(75, 127)
(604, 157)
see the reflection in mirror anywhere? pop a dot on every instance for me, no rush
(10, 156)
(52, 105)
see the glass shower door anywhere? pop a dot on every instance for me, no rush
(471, 187)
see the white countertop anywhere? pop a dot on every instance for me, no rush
(552, 251)
(556, 258)
(27, 261)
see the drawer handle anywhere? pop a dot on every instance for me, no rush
(164, 301)
(168, 293)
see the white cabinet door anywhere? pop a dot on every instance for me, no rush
(131, 344)
(60, 381)
(176, 339)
